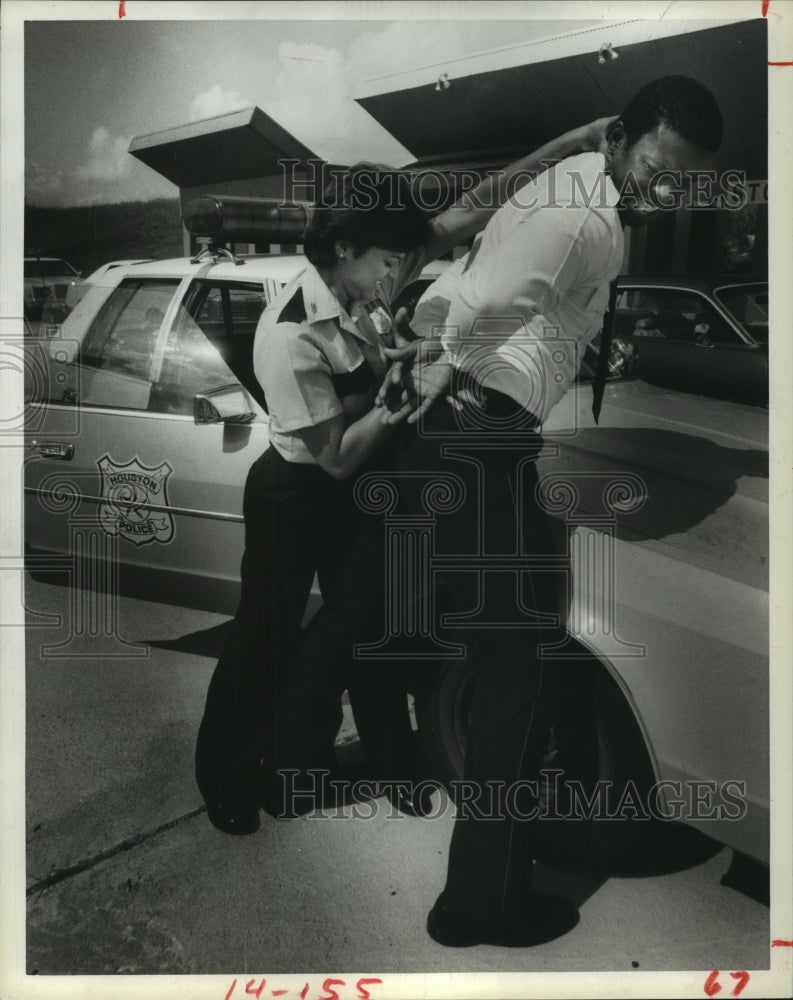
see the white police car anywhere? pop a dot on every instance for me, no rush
(121, 419)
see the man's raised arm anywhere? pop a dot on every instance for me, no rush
(471, 213)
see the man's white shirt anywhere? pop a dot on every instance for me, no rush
(517, 312)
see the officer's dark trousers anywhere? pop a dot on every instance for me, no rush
(298, 520)
(490, 858)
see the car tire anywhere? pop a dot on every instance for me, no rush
(595, 754)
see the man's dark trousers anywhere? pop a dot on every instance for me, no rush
(490, 857)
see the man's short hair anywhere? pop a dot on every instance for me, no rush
(679, 103)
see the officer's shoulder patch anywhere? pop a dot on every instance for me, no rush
(295, 309)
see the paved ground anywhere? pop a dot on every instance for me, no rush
(126, 875)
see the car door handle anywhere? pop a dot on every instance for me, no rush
(53, 449)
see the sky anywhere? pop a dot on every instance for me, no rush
(91, 86)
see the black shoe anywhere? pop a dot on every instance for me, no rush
(547, 918)
(236, 819)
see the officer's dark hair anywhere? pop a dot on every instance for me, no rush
(680, 103)
(367, 205)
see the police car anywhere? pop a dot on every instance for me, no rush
(144, 410)
(143, 418)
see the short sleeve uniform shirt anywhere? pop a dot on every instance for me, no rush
(314, 361)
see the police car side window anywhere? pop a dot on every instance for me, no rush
(669, 314)
(210, 344)
(113, 365)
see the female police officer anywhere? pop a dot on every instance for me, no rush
(320, 359)
(320, 369)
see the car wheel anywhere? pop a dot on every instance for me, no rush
(596, 773)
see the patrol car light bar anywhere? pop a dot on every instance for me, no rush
(230, 219)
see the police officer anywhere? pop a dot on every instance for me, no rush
(319, 358)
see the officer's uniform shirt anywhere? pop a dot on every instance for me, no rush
(519, 310)
(314, 361)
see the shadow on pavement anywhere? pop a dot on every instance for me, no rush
(663, 848)
(204, 642)
(660, 849)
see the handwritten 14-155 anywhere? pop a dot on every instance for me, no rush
(328, 991)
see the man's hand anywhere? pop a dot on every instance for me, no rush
(420, 387)
(415, 352)
(403, 335)
(594, 138)
(403, 358)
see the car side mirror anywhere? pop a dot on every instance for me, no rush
(227, 405)
(622, 358)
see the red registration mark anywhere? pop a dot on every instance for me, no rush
(713, 986)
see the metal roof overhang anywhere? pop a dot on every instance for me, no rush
(235, 146)
(519, 107)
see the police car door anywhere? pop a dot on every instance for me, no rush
(141, 444)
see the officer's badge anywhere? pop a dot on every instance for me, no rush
(129, 492)
(381, 321)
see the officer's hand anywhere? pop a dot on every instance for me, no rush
(421, 386)
(411, 353)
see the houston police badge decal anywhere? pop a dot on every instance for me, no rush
(129, 492)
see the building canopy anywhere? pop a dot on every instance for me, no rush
(231, 147)
(508, 102)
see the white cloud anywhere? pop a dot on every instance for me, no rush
(54, 189)
(141, 184)
(108, 158)
(319, 58)
(217, 101)
(313, 99)
(312, 94)
(404, 45)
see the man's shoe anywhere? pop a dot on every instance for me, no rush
(234, 818)
(546, 918)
